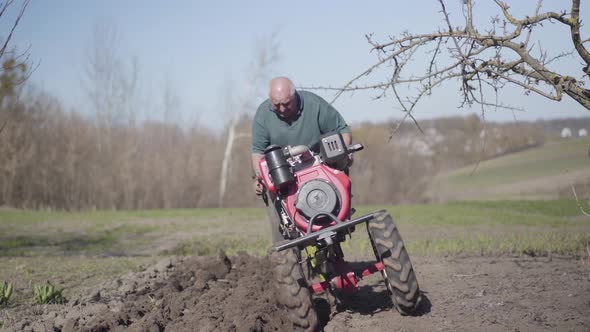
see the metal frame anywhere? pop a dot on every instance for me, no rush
(340, 225)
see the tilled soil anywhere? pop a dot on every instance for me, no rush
(237, 294)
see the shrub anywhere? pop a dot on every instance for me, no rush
(5, 292)
(47, 294)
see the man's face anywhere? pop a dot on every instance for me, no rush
(284, 104)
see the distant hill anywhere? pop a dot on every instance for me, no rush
(551, 126)
(540, 173)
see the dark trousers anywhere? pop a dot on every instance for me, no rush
(273, 220)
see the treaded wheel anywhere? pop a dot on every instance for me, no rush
(398, 274)
(292, 292)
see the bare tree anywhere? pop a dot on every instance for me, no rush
(14, 70)
(171, 102)
(110, 83)
(112, 86)
(260, 68)
(481, 59)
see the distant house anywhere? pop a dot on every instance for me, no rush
(433, 135)
(566, 133)
(422, 148)
(582, 132)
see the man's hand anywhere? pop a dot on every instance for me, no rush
(350, 159)
(258, 187)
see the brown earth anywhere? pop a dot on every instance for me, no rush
(235, 294)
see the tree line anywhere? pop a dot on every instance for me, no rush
(51, 158)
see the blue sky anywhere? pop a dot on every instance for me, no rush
(198, 46)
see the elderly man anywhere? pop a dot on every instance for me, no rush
(291, 117)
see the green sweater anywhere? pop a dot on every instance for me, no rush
(314, 118)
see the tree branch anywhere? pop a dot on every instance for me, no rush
(575, 30)
(480, 62)
(20, 15)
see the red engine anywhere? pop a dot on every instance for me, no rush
(310, 186)
(318, 189)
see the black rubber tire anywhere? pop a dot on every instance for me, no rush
(398, 274)
(292, 292)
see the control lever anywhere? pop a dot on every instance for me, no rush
(355, 147)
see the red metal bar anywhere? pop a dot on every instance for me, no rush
(347, 280)
(373, 268)
(319, 287)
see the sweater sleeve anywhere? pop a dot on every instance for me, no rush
(330, 119)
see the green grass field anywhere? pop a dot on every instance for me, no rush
(79, 250)
(544, 172)
(557, 223)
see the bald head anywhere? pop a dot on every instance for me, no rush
(282, 97)
(281, 87)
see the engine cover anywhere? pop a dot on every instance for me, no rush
(316, 196)
(318, 188)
